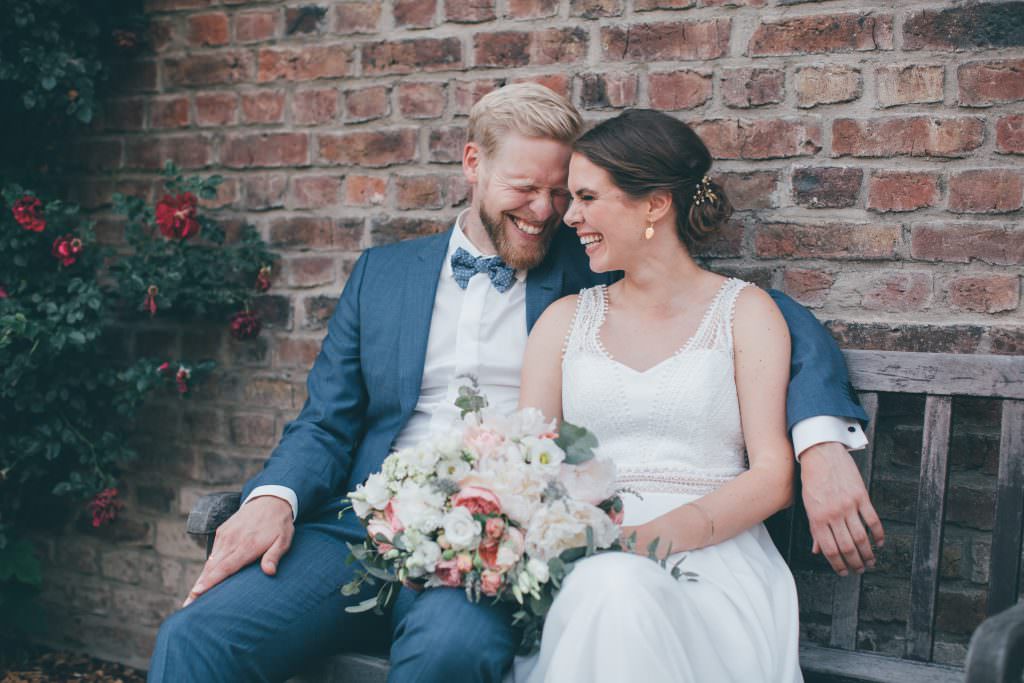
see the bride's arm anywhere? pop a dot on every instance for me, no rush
(761, 352)
(541, 380)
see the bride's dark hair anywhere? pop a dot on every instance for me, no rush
(645, 150)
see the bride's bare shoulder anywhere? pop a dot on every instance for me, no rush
(756, 316)
(557, 317)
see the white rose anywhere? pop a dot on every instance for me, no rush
(419, 507)
(591, 482)
(424, 559)
(461, 530)
(376, 491)
(538, 569)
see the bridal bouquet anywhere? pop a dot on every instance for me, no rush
(500, 505)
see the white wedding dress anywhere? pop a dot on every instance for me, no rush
(674, 432)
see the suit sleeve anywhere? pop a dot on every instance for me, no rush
(314, 456)
(819, 383)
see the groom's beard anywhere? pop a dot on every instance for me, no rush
(515, 256)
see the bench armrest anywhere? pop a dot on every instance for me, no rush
(211, 511)
(996, 654)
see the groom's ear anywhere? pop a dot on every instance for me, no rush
(472, 158)
(659, 203)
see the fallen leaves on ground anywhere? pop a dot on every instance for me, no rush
(62, 667)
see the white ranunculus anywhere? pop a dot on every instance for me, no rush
(376, 491)
(419, 507)
(461, 530)
(591, 482)
(424, 559)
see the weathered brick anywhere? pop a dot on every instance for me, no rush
(1010, 134)
(304, 63)
(264, 191)
(595, 9)
(746, 87)
(1007, 341)
(256, 26)
(388, 230)
(666, 41)
(967, 27)
(916, 136)
(558, 82)
(421, 100)
(892, 291)
(314, 107)
(220, 68)
(372, 149)
(906, 337)
(357, 17)
(616, 89)
(264, 106)
(315, 192)
(725, 242)
(408, 56)
(131, 565)
(187, 151)
(317, 311)
(902, 190)
(990, 293)
(469, 11)
(826, 188)
(294, 352)
(995, 190)
(531, 9)
(651, 5)
(366, 104)
(172, 541)
(909, 84)
(169, 112)
(826, 240)
(362, 190)
(828, 84)
(419, 192)
(760, 138)
(679, 89)
(161, 34)
(227, 195)
(446, 144)
(809, 287)
(135, 76)
(458, 191)
(253, 429)
(309, 271)
(174, 5)
(521, 48)
(964, 242)
(750, 190)
(468, 93)
(348, 236)
(305, 19)
(249, 150)
(123, 114)
(205, 30)
(216, 108)
(414, 13)
(986, 83)
(820, 34)
(302, 232)
(275, 311)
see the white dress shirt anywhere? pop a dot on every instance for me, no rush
(481, 332)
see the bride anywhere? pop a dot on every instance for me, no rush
(682, 375)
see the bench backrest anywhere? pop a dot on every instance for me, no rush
(939, 377)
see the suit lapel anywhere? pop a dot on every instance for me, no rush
(543, 286)
(417, 307)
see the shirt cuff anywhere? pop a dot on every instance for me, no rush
(824, 428)
(282, 492)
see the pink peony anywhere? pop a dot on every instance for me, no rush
(478, 500)
(485, 442)
(447, 571)
(490, 582)
(494, 527)
(379, 526)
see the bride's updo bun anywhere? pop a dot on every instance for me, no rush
(645, 150)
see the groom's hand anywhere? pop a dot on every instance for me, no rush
(262, 527)
(838, 508)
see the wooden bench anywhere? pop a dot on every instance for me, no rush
(996, 651)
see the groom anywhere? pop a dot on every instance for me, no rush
(413, 318)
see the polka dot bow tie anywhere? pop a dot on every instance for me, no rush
(465, 266)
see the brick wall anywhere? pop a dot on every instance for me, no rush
(873, 149)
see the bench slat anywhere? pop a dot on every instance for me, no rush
(1004, 570)
(866, 666)
(931, 503)
(937, 373)
(846, 591)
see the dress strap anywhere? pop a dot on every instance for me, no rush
(716, 330)
(586, 322)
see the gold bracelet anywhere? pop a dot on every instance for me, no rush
(711, 524)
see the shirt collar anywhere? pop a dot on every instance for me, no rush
(459, 239)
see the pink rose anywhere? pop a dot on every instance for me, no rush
(490, 582)
(379, 526)
(464, 561)
(502, 555)
(478, 500)
(447, 571)
(494, 527)
(391, 514)
(486, 442)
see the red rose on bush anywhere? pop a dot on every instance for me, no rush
(245, 325)
(176, 216)
(66, 249)
(104, 507)
(28, 211)
(149, 303)
(181, 379)
(3, 292)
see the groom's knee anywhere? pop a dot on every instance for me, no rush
(179, 653)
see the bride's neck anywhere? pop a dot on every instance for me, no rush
(661, 280)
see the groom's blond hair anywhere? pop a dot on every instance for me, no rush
(529, 109)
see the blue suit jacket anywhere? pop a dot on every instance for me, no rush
(365, 382)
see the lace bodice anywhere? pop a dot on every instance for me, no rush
(674, 427)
